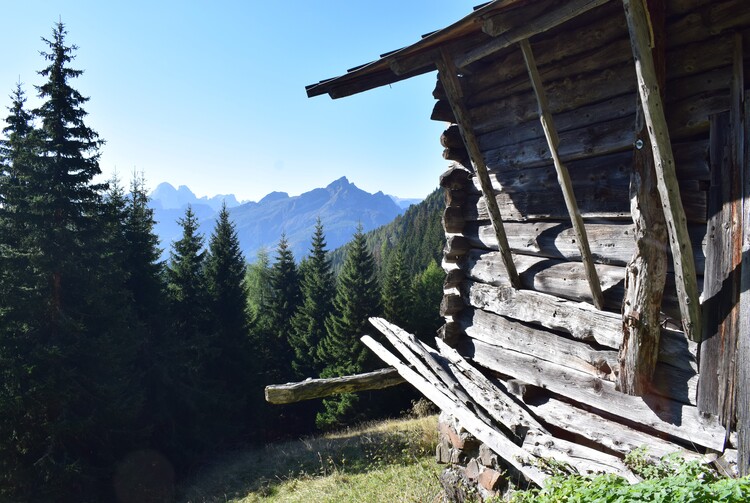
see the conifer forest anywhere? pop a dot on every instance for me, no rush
(117, 368)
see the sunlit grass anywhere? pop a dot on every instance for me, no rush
(385, 461)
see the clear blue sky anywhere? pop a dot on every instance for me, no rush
(212, 94)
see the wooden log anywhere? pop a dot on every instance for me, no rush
(457, 177)
(607, 433)
(546, 21)
(451, 138)
(455, 248)
(449, 78)
(646, 272)
(451, 304)
(453, 219)
(654, 413)
(602, 197)
(577, 319)
(674, 213)
(538, 343)
(550, 239)
(320, 388)
(450, 333)
(563, 177)
(505, 448)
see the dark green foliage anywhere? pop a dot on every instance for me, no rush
(68, 399)
(229, 353)
(426, 294)
(395, 295)
(317, 287)
(672, 480)
(357, 299)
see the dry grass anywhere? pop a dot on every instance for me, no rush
(384, 461)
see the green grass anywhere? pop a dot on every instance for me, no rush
(385, 461)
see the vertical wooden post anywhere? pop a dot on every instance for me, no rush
(743, 330)
(646, 272)
(563, 178)
(449, 77)
(669, 191)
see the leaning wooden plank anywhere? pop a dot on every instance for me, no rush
(546, 21)
(319, 388)
(654, 413)
(449, 77)
(536, 438)
(411, 349)
(609, 434)
(499, 443)
(674, 213)
(563, 177)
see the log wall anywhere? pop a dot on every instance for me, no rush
(548, 334)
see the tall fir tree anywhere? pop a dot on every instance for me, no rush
(424, 306)
(395, 294)
(308, 325)
(72, 325)
(284, 299)
(230, 357)
(357, 298)
(185, 372)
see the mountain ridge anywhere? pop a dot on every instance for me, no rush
(340, 205)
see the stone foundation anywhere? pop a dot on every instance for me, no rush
(473, 471)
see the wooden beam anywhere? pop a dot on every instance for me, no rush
(449, 77)
(546, 21)
(646, 272)
(319, 388)
(504, 447)
(743, 332)
(654, 413)
(563, 177)
(674, 213)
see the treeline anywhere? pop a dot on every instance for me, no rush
(119, 372)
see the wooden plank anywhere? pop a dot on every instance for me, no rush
(654, 413)
(575, 318)
(535, 437)
(449, 78)
(563, 177)
(499, 443)
(539, 343)
(607, 433)
(646, 272)
(674, 214)
(743, 332)
(319, 388)
(544, 22)
(613, 243)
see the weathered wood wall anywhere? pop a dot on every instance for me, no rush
(543, 334)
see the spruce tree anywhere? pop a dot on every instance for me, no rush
(308, 324)
(357, 298)
(228, 347)
(426, 295)
(284, 299)
(395, 295)
(72, 317)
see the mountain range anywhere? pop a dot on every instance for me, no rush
(341, 206)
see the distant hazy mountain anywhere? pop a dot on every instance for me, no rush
(170, 198)
(340, 205)
(405, 202)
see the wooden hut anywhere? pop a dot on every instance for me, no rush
(597, 219)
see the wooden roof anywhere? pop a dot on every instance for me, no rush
(419, 57)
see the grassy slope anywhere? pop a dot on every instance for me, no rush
(386, 461)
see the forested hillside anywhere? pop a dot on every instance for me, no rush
(121, 373)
